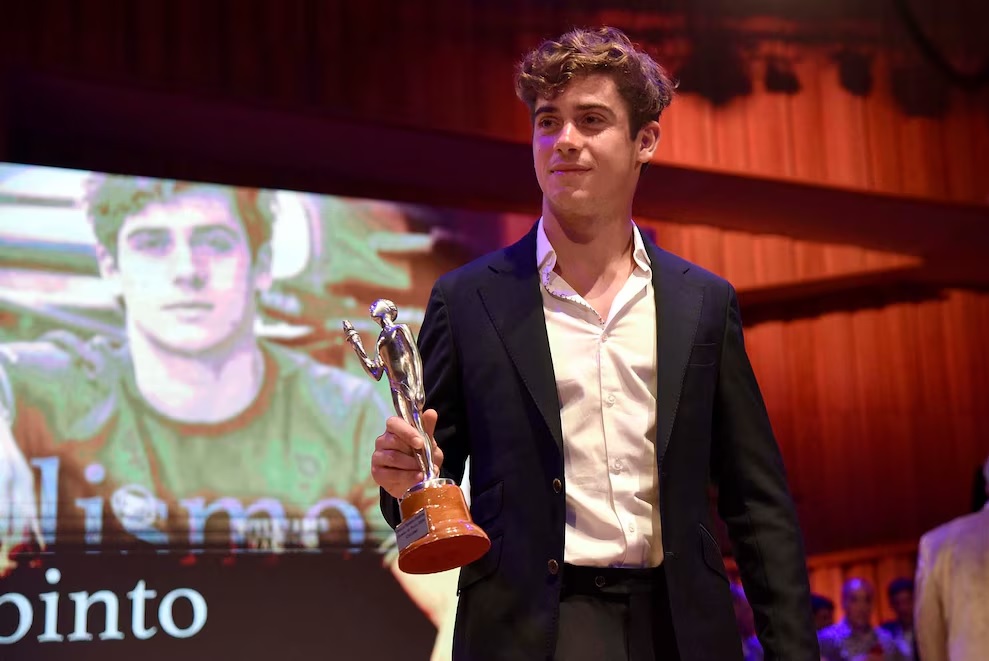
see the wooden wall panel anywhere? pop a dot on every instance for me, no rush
(750, 260)
(879, 415)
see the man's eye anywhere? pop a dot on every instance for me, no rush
(220, 243)
(217, 242)
(150, 242)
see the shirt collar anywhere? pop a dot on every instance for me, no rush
(546, 255)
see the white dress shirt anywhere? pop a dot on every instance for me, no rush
(606, 381)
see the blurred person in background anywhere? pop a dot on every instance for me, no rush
(855, 638)
(823, 611)
(899, 592)
(951, 611)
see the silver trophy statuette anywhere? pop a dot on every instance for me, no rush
(396, 354)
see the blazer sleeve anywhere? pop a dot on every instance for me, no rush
(755, 503)
(930, 632)
(441, 376)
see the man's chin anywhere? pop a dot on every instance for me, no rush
(570, 201)
(190, 344)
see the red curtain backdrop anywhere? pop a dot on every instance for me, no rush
(877, 407)
(448, 64)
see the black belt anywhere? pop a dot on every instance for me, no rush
(649, 625)
(611, 580)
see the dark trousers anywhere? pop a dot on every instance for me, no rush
(615, 615)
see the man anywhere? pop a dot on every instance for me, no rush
(951, 621)
(822, 609)
(192, 432)
(597, 383)
(855, 637)
(899, 593)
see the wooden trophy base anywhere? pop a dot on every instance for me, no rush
(436, 533)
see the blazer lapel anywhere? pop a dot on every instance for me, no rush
(678, 308)
(515, 305)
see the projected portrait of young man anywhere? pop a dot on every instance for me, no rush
(192, 432)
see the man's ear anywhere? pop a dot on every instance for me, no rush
(262, 268)
(647, 141)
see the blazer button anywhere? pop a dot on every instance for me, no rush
(557, 485)
(554, 567)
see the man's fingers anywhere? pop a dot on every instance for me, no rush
(396, 482)
(394, 459)
(386, 476)
(429, 421)
(395, 464)
(404, 432)
(392, 442)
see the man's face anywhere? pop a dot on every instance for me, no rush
(186, 274)
(857, 602)
(823, 617)
(902, 605)
(586, 161)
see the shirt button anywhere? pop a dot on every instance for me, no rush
(604, 337)
(554, 567)
(631, 527)
(557, 485)
(610, 400)
(599, 581)
(617, 466)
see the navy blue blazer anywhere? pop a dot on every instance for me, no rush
(489, 374)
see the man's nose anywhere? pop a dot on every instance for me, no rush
(188, 267)
(568, 138)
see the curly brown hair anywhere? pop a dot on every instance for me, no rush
(644, 85)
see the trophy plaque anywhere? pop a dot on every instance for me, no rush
(436, 532)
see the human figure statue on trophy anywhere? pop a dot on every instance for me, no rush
(395, 355)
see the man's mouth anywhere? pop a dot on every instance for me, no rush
(190, 306)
